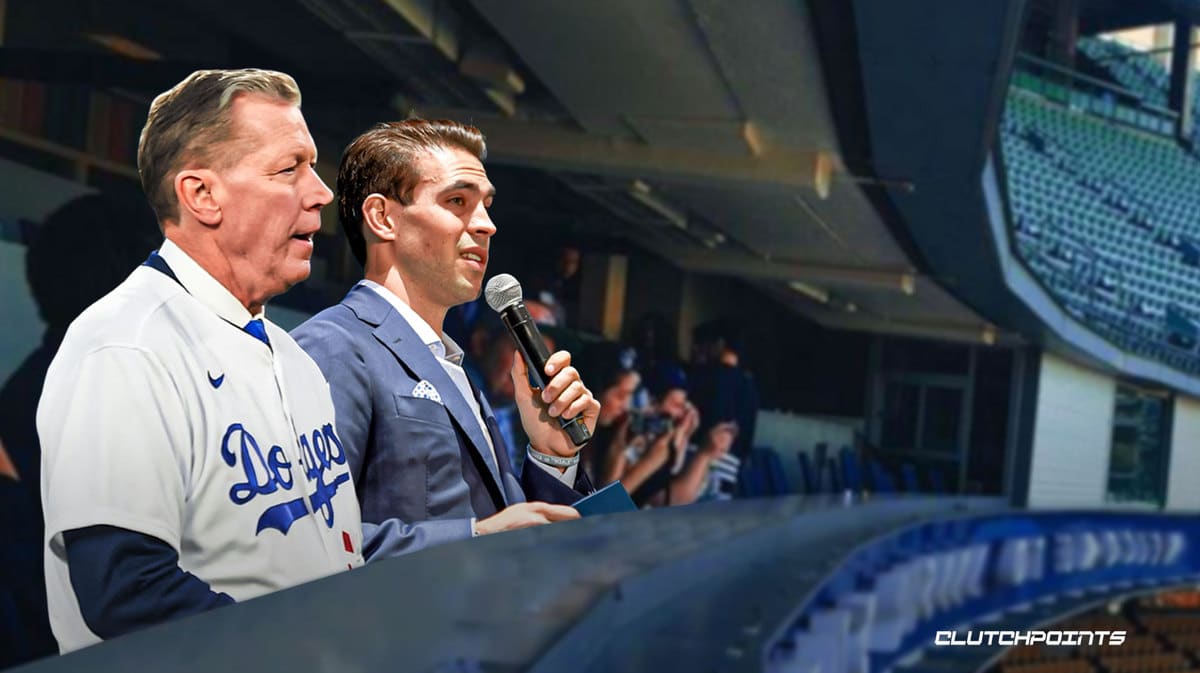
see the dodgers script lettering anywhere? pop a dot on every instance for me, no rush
(266, 472)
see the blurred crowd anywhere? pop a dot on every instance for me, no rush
(672, 432)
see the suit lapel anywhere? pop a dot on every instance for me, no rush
(398, 336)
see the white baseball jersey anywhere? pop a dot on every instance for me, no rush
(162, 416)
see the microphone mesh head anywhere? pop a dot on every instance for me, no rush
(502, 291)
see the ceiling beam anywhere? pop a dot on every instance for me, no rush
(554, 146)
(744, 266)
(983, 333)
(837, 317)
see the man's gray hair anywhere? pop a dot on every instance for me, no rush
(189, 123)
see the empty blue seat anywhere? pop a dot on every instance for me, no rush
(807, 475)
(937, 481)
(776, 478)
(881, 480)
(752, 480)
(851, 471)
(761, 474)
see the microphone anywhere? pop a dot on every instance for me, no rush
(503, 294)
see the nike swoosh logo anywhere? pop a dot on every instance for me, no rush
(216, 383)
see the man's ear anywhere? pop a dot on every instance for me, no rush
(194, 190)
(376, 221)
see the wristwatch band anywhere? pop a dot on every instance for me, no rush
(555, 461)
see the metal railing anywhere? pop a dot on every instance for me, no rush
(1088, 94)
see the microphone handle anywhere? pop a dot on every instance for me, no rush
(529, 342)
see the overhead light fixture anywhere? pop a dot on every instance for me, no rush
(988, 336)
(752, 134)
(811, 291)
(124, 47)
(644, 194)
(823, 174)
(707, 235)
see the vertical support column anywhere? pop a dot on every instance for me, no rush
(875, 391)
(1179, 96)
(1166, 432)
(966, 418)
(1064, 33)
(1022, 418)
(602, 293)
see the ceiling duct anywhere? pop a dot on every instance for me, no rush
(418, 43)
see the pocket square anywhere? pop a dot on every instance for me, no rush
(426, 391)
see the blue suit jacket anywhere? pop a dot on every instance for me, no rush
(422, 469)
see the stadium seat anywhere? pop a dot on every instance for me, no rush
(851, 470)
(830, 479)
(776, 478)
(807, 476)
(762, 474)
(937, 481)
(881, 480)
(752, 479)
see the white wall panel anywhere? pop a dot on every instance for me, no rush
(1183, 479)
(1072, 435)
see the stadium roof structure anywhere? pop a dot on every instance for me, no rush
(697, 130)
(1101, 16)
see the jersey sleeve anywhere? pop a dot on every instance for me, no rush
(116, 446)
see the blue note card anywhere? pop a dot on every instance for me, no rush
(608, 500)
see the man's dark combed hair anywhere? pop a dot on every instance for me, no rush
(383, 160)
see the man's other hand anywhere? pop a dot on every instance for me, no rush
(524, 515)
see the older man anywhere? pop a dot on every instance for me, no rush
(189, 453)
(423, 443)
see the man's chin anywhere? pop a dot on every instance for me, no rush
(469, 291)
(297, 276)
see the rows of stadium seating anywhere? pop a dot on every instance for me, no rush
(1139, 72)
(1105, 215)
(821, 472)
(1155, 643)
(1134, 70)
(1093, 98)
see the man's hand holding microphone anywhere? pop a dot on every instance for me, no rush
(558, 416)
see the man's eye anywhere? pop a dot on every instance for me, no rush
(457, 200)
